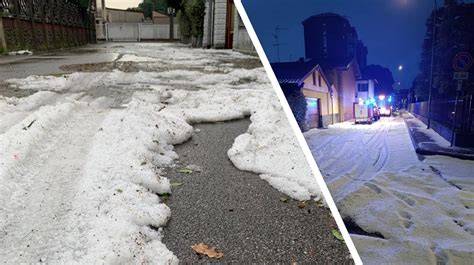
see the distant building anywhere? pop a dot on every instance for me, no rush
(329, 37)
(223, 27)
(115, 15)
(365, 89)
(114, 24)
(312, 98)
(160, 18)
(333, 43)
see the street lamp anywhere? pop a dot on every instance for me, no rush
(432, 63)
(400, 67)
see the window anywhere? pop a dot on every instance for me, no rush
(363, 87)
(319, 80)
(314, 78)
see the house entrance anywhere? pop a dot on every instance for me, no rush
(313, 113)
(229, 25)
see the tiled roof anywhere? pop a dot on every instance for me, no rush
(293, 72)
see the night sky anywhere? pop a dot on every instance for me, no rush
(392, 30)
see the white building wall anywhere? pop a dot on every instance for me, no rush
(205, 37)
(220, 11)
(241, 41)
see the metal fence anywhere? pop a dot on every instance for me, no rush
(135, 31)
(447, 114)
(65, 12)
(46, 23)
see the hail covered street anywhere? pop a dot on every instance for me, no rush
(398, 206)
(88, 161)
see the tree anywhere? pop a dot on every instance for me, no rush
(176, 4)
(454, 33)
(148, 6)
(191, 21)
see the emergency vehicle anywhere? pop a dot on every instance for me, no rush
(366, 111)
(385, 105)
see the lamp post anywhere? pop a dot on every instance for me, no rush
(432, 64)
(398, 88)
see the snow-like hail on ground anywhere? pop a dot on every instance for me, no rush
(413, 212)
(81, 159)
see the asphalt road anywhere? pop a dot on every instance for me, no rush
(239, 213)
(45, 63)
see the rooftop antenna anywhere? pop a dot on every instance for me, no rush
(277, 40)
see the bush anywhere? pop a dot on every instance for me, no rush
(297, 102)
(184, 26)
(195, 10)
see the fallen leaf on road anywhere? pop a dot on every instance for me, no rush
(284, 199)
(204, 249)
(184, 170)
(164, 196)
(176, 184)
(337, 234)
(194, 168)
(301, 205)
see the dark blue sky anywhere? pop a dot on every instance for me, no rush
(392, 30)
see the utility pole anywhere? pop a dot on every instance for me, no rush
(432, 63)
(171, 13)
(277, 40)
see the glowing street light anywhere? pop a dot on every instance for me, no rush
(400, 67)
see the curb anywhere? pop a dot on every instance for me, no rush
(425, 151)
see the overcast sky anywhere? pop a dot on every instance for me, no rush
(393, 30)
(122, 4)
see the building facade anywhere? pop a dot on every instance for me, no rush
(344, 78)
(312, 98)
(330, 38)
(223, 27)
(114, 15)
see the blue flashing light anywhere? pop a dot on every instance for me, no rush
(390, 99)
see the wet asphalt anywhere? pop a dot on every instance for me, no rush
(240, 214)
(46, 63)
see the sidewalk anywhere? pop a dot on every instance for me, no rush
(428, 142)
